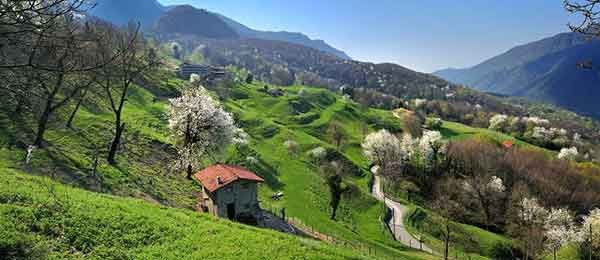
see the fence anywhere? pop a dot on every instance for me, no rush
(309, 231)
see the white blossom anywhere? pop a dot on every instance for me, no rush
(199, 125)
(430, 144)
(420, 102)
(195, 79)
(536, 120)
(408, 145)
(591, 228)
(532, 212)
(318, 153)
(559, 229)
(381, 147)
(240, 137)
(568, 153)
(496, 184)
(251, 160)
(498, 122)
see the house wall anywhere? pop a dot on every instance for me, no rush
(243, 194)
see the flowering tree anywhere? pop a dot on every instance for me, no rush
(195, 79)
(568, 153)
(532, 217)
(559, 229)
(200, 127)
(240, 137)
(318, 154)
(434, 123)
(383, 148)
(590, 231)
(496, 184)
(499, 123)
(430, 148)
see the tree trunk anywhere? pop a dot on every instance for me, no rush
(72, 116)
(115, 143)
(189, 171)
(447, 241)
(43, 123)
(333, 213)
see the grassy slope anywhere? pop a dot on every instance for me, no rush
(270, 121)
(306, 196)
(143, 170)
(39, 216)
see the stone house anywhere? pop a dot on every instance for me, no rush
(229, 192)
(204, 71)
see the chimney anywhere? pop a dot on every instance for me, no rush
(219, 181)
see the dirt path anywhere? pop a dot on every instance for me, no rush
(396, 224)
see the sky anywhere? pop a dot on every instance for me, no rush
(424, 35)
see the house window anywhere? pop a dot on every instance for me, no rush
(246, 186)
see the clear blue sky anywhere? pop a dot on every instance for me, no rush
(424, 35)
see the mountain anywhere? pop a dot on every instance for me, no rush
(544, 70)
(177, 20)
(291, 37)
(149, 12)
(120, 12)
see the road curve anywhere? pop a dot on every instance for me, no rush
(396, 224)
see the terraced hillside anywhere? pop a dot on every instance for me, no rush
(303, 115)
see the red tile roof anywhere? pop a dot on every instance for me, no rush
(508, 144)
(226, 173)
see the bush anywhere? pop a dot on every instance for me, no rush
(504, 251)
(269, 131)
(306, 118)
(434, 123)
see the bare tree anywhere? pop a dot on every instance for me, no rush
(25, 24)
(447, 206)
(337, 133)
(134, 59)
(589, 10)
(64, 53)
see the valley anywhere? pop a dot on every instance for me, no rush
(175, 132)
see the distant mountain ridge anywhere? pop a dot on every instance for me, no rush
(177, 20)
(290, 37)
(149, 12)
(544, 70)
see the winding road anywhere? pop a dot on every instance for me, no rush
(396, 224)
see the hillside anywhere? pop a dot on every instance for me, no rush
(144, 170)
(303, 115)
(40, 218)
(545, 70)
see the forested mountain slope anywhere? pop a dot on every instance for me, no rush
(550, 70)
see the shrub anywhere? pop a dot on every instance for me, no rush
(269, 131)
(434, 123)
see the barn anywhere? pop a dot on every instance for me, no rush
(229, 191)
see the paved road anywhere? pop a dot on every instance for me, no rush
(398, 212)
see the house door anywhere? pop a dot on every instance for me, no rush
(231, 211)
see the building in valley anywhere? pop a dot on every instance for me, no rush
(230, 192)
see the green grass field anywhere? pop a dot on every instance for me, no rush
(144, 170)
(40, 218)
(303, 115)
